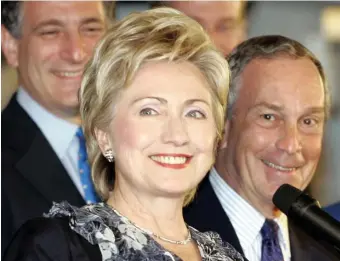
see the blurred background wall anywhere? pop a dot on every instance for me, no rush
(315, 24)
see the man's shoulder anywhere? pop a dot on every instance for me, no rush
(17, 129)
(15, 120)
(304, 246)
(12, 109)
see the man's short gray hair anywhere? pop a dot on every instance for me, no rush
(268, 47)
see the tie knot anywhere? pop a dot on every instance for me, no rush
(269, 229)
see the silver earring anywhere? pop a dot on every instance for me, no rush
(108, 154)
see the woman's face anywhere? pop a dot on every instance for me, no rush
(163, 131)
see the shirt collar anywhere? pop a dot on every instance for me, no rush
(282, 221)
(58, 132)
(246, 220)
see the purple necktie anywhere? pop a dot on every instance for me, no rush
(271, 250)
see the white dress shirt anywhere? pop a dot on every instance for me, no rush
(247, 221)
(59, 133)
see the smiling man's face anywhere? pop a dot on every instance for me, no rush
(275, 134)
(56, 41)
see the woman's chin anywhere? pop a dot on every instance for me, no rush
(174, 192)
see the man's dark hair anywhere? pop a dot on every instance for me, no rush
(11, 15)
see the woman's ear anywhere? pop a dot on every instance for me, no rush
(9, 47)
(103, 140)
(224, 141)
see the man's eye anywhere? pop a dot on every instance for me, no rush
(94, 29)
(268, 117)
(196, 114)
(313, 125)
(148, 112)
(226, 26)
(49, 33)
(310, 122)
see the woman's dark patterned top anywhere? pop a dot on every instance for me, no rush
(118, 239)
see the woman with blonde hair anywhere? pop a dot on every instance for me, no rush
(152, 100)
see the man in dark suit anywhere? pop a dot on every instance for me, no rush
(49, 44)
(277, 107)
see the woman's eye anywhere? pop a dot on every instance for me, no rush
(196, 114)
(148, 112)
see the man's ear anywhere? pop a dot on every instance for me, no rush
(9, 47)
(224, 141)
(103, 140)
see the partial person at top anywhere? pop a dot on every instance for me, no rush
(43, 152)
(152, 100)
(224, 21)
(278, 105)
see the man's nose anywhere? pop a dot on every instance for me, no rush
(74, 48)
(290, 140)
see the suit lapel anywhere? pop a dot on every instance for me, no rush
(206, 214)
(41, 166)
(38, 163)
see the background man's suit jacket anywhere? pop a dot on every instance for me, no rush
(205, 213)
(32, 174)
(334, 210)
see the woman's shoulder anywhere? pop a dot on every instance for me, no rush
(48, 239)
(213, 247)
(46, 226)
(43, 230)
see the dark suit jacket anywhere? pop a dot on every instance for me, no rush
(32, 174)
(206, 213)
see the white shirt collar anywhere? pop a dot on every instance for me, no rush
(58, 132)
(246, 220)
(282, 221)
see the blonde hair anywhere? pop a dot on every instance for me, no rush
(161, 34)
